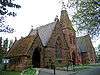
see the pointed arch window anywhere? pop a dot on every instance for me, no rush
(58, 49)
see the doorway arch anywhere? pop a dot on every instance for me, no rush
(36, 57)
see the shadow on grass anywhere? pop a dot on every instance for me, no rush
(9, 73)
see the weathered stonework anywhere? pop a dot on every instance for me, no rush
(50, 44)
(86, 49)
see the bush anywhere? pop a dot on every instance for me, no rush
(29, 71)
(1, 67)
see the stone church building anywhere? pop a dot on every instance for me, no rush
(86, 49)
(53, 43)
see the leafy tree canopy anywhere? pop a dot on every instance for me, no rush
(87, 16)
(5, 4)
(99, 47)
(4, 11)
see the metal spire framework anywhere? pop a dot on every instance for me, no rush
(63, 6)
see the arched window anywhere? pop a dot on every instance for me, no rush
(58, 49)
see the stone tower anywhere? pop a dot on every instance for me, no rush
(70, 36)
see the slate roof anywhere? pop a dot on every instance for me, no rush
(21, 47)
(84, 43)
(44, 32)
(33, 32)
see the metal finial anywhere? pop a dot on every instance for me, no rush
(31, 26)
(56, 18)
(63, 6)
(15, 38)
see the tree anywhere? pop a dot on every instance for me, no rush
(4, 11)
(87, 17)
(98, 47)
(4, 27)
(0, 43)
(1, 50)
(98, 53)
(10, 44)
(5, 4)
(5, 44)
(1, 55)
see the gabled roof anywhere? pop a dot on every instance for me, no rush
(21, 46)
(33, 32)
(84, 43)
(81, 42)
(44, 32)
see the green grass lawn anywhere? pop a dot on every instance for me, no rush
(29, 71)
(9, 73)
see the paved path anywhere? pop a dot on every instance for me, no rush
(93, 71)
(51, 72)
(44, 73)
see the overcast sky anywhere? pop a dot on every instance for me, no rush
(33, 13)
